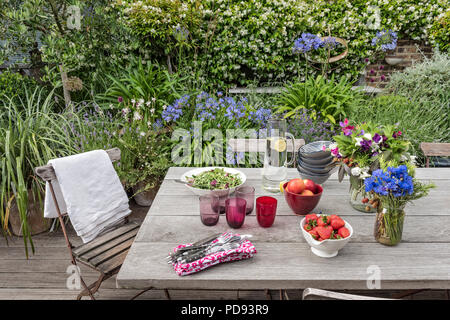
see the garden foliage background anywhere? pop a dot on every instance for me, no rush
(134, 71)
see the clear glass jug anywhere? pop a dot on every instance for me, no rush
(275, 158)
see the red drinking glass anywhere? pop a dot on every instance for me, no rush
(235, 212)
(247, 193)
(266, 208)
(209, 215)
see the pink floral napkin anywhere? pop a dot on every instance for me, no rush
(245, 251)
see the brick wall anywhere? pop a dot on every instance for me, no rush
(377, 73)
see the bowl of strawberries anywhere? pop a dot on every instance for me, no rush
(326, 234)
(302, 196)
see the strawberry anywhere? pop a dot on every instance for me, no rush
(333, 216)
(323, 221)
(307, 227)
(324, 232)
(314, 234)
(344, 232)
(310, 217)
(337, 223)
(365, 200)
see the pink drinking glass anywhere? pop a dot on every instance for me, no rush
(247, 193)
(235, 212)
(266, 208)
(209, 215)
(223, 196)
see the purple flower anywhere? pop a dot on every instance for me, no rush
(382, 77)
(372, 71)
(366, 60)
(381, 67)
(119, 99)
(376, 138)
(365, 144)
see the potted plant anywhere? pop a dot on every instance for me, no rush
(358, 149)
(395, 186)
(30, 135)
(145, 151)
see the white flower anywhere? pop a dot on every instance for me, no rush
(147, 103)
(142, 133)
(368, 136)
(356, 171)
(133, 101)
(333, 146)
(153, 99)
(152, 110)
(137, 116)
(358, 142)
(164, 107)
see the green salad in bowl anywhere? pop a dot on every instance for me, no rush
(202, 180)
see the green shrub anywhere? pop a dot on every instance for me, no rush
(428, 80)
(141, 80)
(419, 121)
(328, 98)
(440, 32)
(242, 41)
(13, 84)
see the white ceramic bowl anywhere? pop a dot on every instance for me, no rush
(202, 192)
(326, 248)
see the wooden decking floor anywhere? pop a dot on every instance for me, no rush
(44, 275)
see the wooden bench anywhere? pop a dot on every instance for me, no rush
(434, 150)
(105, 253)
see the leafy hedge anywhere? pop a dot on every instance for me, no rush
(236, 41)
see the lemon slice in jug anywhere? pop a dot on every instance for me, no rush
(279, 145)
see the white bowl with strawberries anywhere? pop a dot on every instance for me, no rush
(326, 234)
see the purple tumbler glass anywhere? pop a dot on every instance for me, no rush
(247, 193)
(209, 214)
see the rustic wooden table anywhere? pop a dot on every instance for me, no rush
(284, 260)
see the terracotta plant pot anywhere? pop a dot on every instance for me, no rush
(144, 198)
(36, 221)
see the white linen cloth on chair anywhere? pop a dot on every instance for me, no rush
(90, 191)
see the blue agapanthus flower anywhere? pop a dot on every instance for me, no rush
(307, 42)
(260, 116)
(393, 181)
(175, 110)
(387, 40)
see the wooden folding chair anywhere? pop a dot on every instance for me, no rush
(105, 253)
(319, 294)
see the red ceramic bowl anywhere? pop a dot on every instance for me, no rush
(302, 205)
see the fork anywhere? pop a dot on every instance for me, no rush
(225, 247)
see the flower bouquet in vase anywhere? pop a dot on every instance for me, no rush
(358, 150)
(394, 186)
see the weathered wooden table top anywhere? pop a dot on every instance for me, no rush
(284, 259)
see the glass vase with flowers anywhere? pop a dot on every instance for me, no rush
(394, 186)
(358, 150)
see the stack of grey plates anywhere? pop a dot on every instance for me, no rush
(314, 163)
